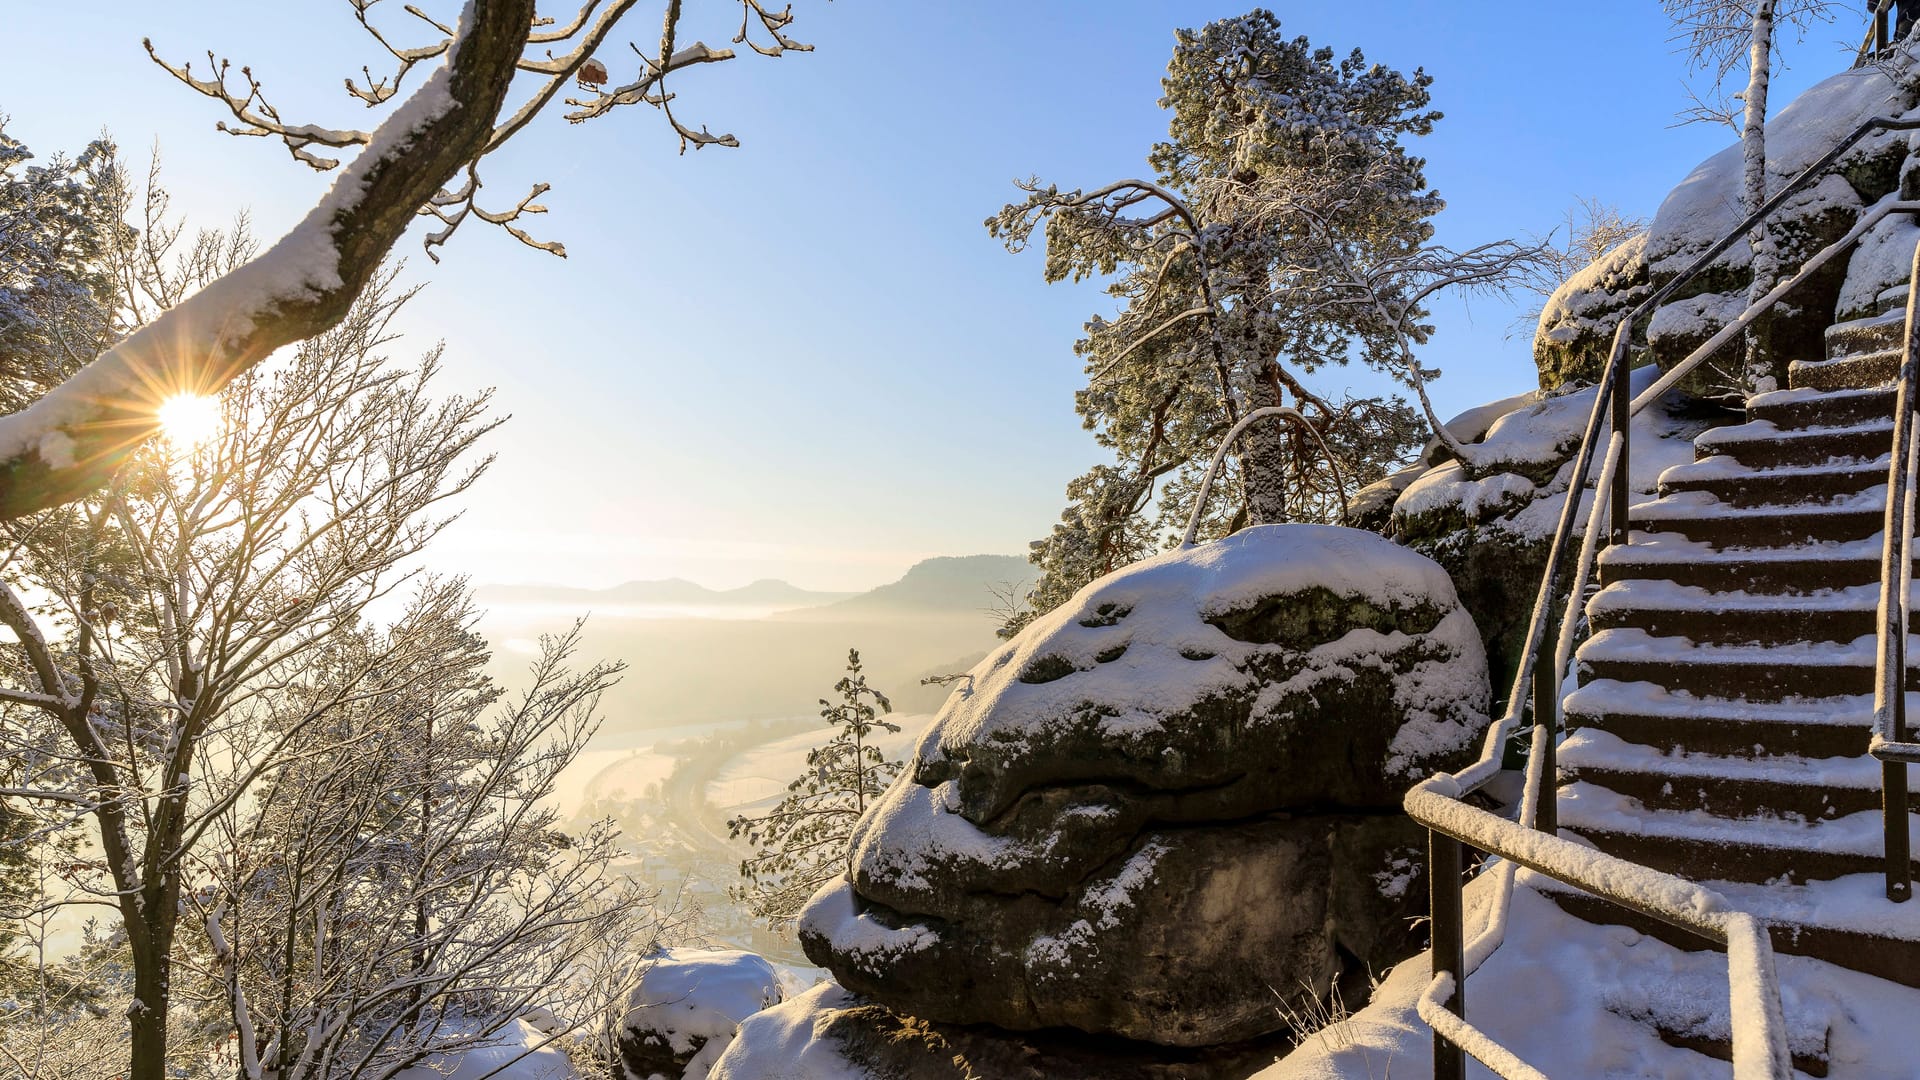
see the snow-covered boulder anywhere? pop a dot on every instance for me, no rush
(1883, 260)
(687, 1007)
(1706, 205)
(1122, 821)
(1579, 319)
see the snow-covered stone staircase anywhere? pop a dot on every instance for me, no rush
(1720, 728)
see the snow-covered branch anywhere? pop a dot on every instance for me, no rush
(74, 437)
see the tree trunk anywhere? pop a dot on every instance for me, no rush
(150, 927)
(1263, 453)
(1760, 375)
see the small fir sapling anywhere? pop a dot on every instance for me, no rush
(802, 842)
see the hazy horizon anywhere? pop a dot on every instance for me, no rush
(732, 585)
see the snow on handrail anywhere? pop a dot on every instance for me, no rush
(1476, 1042)
(1886, 749)
(1759, 1030)
(1655, 893)
(1890, 744)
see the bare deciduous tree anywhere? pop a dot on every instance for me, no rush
(398, 887)
(177, 615)
(1719, 36)
(424, 158)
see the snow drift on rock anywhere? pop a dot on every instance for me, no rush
(694, 999)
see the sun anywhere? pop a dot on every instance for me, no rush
(189, 419)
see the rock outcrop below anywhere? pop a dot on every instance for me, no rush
(1488, 521)
(827, 1032)
(686, 1008)
(1146, 815)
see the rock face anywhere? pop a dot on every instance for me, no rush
(827, 1032)
(1131, 820)
(687, 1007)
(1488, 522)
(1578, 321)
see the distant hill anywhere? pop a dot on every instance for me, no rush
(961, 585)
(948, 585)
(767, 592)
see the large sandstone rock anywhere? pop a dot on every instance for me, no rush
(1577, 323)
(1488, 522)
(1125, 823)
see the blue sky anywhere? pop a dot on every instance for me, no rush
(805, 358)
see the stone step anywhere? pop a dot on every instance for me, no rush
(1868, 369)
(1683, 998)
(1814, 1061)
(1751, 673)
(1763, 444)
(1699, 846)
(1845, 921)
(1698, 515)
(1892, 298)
(1815, 789)
(1664, 609)
(1802, 569)
(1875, 333)
(1658, 718)
(1812, 408)
(1772, 796)
(1738, 485)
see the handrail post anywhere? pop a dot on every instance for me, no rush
(1546, 714)
(1449, 944)
(1622, 493)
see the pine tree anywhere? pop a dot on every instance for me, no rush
(1285, 228)
(802, 842)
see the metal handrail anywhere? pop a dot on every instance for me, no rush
(1672, 900)
(1877, 37)
(1889, 743)
(1436, 803)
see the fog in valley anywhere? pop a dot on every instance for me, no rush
(720, 701)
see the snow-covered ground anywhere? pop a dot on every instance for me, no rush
(517, 1052)
(1571, 997)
